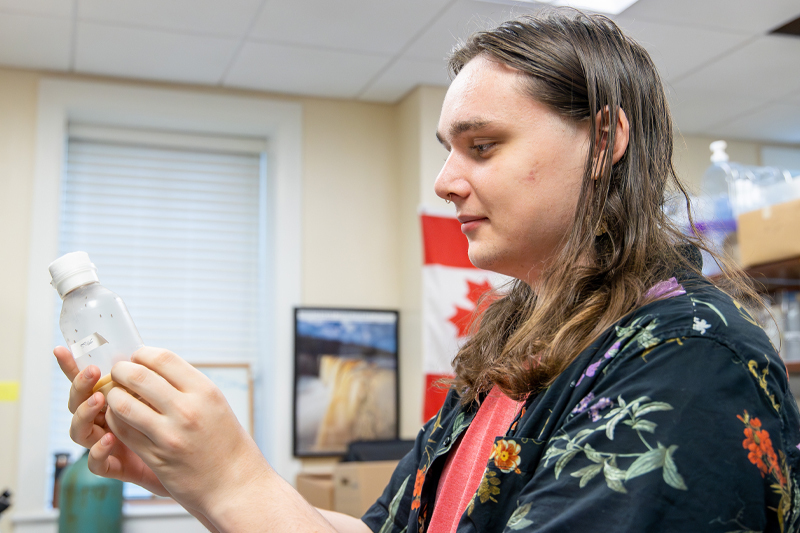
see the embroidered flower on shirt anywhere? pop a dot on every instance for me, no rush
(602, 403)
(487, 490)
(418, 482)
(700, 325)
(667, 288)
(506, 456)
(583, 405)
(759, 444)
(591, 370)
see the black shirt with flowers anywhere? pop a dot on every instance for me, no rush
(679, 418)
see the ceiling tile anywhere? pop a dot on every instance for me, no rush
(35, 42)
(678, 49)
(776, 123)
(370, 26)
(462, 19)
(217, 17)
(739, 15)
(302, 70)
(793, 98)
(765, 68)
(697, 112)
(149, 54)
(404, 75)
(50, 8)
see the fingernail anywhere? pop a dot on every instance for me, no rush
(88, 373)
(92, 401)
(106, 440)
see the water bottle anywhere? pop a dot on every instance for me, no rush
(94, 321)
(89, 503)
(715, 218)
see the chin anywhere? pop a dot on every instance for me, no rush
(485, 261)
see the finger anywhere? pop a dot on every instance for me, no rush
(175, 370)
(66, 362)
(139, 423)
(110, 458)
(82, 386)
(83, 429)
(149, 385)
(101, 460)
(131, 439)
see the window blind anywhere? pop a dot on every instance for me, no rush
(176, 228)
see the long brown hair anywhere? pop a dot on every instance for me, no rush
(578, 65)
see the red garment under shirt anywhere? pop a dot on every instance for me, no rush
(465, 465)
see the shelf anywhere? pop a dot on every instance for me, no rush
(778, 275)
(792, 367)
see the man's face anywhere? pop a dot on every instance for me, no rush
(513, 172)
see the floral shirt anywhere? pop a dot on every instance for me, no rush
(678, 418)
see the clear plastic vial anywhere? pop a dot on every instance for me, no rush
(94, 321)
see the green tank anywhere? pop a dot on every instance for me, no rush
(89, 503)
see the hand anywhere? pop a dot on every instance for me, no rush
(108, 457)
(183, 429)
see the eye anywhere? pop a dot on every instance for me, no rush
(483, 149)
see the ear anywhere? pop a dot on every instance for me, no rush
(621, 137)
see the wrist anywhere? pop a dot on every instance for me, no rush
(266, 502)
(237, 488)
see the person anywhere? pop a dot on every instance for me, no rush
(610, 386)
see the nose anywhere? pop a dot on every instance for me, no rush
(450, 183)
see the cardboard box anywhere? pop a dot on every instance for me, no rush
(357, 485)
(317, 489)
(769, 234)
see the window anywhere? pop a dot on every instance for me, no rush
(278, 126)
(176, 227)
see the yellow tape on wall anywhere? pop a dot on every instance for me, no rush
(9, 391)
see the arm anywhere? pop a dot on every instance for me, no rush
(344, 523)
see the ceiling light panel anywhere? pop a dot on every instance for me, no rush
(610, 7)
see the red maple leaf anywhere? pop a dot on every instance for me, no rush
(463, 318)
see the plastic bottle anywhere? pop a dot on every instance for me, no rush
(62, 462)
(715, 183)
(715, 217)
(94, 321)
(89, 503)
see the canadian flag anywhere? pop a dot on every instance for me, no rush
(452, 290)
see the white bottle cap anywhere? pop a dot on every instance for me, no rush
(72, 270)
(718, 153)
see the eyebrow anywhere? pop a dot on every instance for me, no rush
(457, 128)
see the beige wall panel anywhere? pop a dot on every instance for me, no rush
(411, 381)
(433, 155)
(18, 92)
(350, 205)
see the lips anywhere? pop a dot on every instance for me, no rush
(470, 222)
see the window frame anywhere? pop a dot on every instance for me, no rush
(279, 123)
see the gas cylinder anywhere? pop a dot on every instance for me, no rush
(89, 503)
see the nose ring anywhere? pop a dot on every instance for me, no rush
(447, 200)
